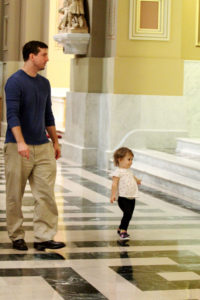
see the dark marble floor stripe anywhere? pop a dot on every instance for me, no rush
(27, 257)
(103, 173)
(171, 199)
(114, 243)
(147, 278)
(68, 283)
(180, 257)
(96, 187)
(180, 242)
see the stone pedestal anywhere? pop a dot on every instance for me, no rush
(73, 43)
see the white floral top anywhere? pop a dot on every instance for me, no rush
(127, 184)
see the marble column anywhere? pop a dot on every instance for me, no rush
(91, 78)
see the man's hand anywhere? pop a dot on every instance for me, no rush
(57, 150)
(54, 137)
(23, 149)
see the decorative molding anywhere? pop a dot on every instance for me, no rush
(5, 33)
(156, 26)
(197, 42)
(111, 19)
(73, 43)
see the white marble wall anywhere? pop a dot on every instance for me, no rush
(138, 121)
(192, 94)
(80, 141)
(58, 96)
(97, 124)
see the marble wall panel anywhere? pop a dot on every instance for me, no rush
(192, 94)
(97, 124)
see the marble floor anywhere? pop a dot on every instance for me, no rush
(160, 262)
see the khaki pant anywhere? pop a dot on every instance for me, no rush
(40, 170)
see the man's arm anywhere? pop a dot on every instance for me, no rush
(13, 96)
(22, 147)
(52, 133)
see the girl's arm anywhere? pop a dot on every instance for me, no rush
(115, 183)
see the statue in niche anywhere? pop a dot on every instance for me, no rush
(65, 18)
(73, 19)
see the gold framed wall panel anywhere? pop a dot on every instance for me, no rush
(149, 19)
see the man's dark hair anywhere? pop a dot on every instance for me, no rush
(32, 47)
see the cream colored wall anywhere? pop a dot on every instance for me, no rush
(30, 29)
(58, 67)
(148, 76)
(148, 67)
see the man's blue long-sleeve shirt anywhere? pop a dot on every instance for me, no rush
(28, 101)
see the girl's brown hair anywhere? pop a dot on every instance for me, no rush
(121, 153)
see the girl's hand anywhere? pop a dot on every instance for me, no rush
(115, 182)
(112, 199)
(138, 181)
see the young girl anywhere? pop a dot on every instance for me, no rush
(125, 185)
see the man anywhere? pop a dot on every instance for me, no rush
(28, 153)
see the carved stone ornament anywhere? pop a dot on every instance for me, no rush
(73, 17)
(73, 30)
(73, 43)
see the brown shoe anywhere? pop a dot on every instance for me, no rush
(20, 245)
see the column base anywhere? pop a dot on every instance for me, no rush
(78, 154)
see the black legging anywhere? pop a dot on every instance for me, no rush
(127, 206)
